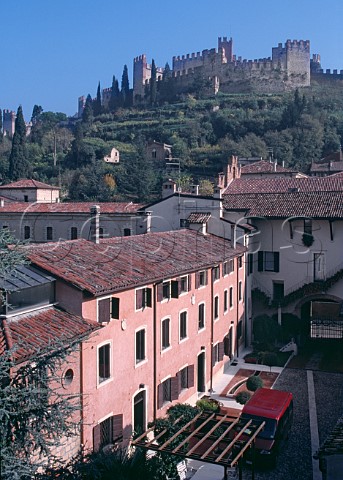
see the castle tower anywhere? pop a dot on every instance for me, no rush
(141, 73)
(227, 47)
(8, 123)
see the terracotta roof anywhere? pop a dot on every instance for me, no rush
(119, 263)
(29, 183)
(41, 328)
(69, 207)
(195, 217)
(264, 167)
(320, 197)
(284, 184)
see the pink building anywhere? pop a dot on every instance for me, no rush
(171, 307)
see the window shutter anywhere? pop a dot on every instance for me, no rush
(139, 298)
(221, 350)
(260, 261)
(160, 396)
(148, 297)
(115, 308)
(276, 261)
(104, 313)
(178, 376)
(197, 280)
(190, 376)
(160, 292)
(175, 289)
(117, 427)
(189, 283)
(227, 345)
(174, 388)
(206, 277)
(96, 438)
(213, 356)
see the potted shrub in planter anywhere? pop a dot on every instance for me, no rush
(209, 405)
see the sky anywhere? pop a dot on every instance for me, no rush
(54, 51)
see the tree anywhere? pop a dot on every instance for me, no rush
(254, 382)
(153, 84)
(97, 105)
(115, 95)
(19, 166)
(37, 110)
(35, 413)
(125, 88)
(1, 133)
(87, 114)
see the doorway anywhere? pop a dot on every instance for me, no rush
(201, 373)
(139, 402)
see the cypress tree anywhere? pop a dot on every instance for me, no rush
(125, 88)
(1, 133)
(87, 114)
(19, 166)
(97, 108)
(153, 85)
(115, 95)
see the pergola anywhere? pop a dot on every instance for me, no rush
(209, 437)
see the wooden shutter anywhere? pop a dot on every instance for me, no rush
(260, 261)
(221, 351)
(139, 298)
(160, 292)
(206, 277)
(190, 376)
(96, 438)
(178, 376)
(197, 280)
(148, 297)
(189, 283)
(160, 395)
(115, 308)
(175, 289)
(174, 388)
(276, 262)
(104, 312)
(213, 356)
(117, 427)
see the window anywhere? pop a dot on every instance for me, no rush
(268, 261)
(240, 329)
(166, 290)
(215, 359)
(101, 232)
(115, 308)
(216, 307)
(183, 378)
(308, 226)
(228, 267)
(104, 363)
(184, 223)
(278, 290)
(201, 316)
(215, 273)
(201, 279)
(140, 346)
(107, 432)
(73, 233)
(26, 198)
(49, 233)
(27, 232)
(108, 308)
(165, 333)
(183, 325)
(225, 301)
(250, 263)
(143, 298)
(240, 261)
(184, 284)
(240, 293)
(166, 389)
(231, 297)
(127, 232)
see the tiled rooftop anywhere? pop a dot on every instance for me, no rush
(69, 207)
(41, 328)
(29, 183)
(264, 167)
(120, 263)
(195, 217)
(285, 197)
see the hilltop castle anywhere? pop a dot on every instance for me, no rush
(286, 69)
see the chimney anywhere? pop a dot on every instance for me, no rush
(217, 192)
(95, 221)
(195, 189)
(2, 202)
(283, 163)
(275, 165)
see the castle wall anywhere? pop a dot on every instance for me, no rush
(298, 59)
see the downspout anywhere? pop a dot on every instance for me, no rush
(237, 308)
(155, 353)
(212, 330)
(82, 400)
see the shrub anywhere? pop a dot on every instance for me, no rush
(242, 397)
(254, 382)
(208, 405)
(270, 359)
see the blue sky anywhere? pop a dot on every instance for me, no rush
(54, 51)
